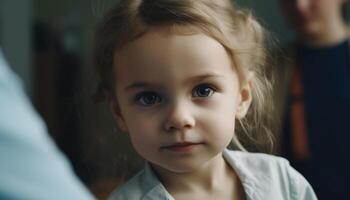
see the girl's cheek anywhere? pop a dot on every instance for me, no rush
(145, 123)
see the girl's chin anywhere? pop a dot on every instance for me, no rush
(179, 168)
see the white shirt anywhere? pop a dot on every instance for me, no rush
(264, 177)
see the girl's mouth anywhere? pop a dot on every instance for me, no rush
(182, 147)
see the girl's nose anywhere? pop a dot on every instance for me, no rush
(179, 118)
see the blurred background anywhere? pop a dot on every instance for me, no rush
(48, 44)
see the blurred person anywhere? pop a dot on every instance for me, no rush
(31, 165)
(316, 133)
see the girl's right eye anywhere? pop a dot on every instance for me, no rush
(147, 98)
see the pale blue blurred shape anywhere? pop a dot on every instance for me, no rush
(31, 166)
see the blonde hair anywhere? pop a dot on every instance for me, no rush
(236, 29)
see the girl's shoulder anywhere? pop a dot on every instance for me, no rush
(129, 190)
(268, 177)
(144, 185)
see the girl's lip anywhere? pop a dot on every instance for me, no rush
(182, 146)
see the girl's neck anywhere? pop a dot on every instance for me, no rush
(333, 32)
(208, 178)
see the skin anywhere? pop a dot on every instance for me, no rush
(317, 22)
(173, 89)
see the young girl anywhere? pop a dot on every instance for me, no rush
(178, 74)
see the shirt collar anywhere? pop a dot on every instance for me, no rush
(253, 179)
(153, 187)
(156, 191)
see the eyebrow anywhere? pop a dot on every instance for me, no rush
(197, 78)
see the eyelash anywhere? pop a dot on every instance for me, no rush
(140, 98)
(156, 99)
(206, 86)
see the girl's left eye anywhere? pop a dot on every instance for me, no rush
(203, 91)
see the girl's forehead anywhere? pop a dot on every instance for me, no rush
(166, 30)
(159, 53)
(163, 44)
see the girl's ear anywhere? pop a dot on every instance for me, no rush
(113, 103)
(245, 98)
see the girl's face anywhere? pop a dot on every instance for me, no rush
(311, 16)
(177, 97)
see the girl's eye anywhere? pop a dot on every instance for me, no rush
(203, 91)
(147, 98)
